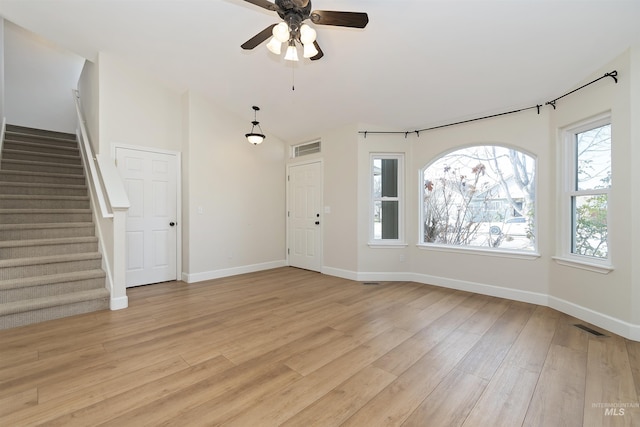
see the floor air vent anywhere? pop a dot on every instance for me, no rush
(588, 329)
(371, 283)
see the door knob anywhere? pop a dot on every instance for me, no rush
(172, 223)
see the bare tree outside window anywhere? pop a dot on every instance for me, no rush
(482, 196)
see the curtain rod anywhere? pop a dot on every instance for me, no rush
(613, 74)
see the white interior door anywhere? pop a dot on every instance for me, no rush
(305, 216)
(150, 179)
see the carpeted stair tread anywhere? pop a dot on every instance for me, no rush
(38, 146)
(43, 201)
(70, 169)
(15, 154)
(13, 130)
(50, 259)
(45, 174)
(41, 188)
(39, 211)
(51, 279)
(44, 225)
(45, 242)
(26, 231)
(41, 197)
(52, 301)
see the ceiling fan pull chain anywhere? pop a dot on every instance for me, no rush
(293, 77)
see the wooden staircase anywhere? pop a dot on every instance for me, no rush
(50, 266)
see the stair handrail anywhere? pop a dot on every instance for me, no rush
(109, 190)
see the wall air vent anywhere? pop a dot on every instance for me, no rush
(305, 149)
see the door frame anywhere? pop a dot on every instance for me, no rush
(288, 205)
(178, 156)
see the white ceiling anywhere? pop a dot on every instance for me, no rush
(417, 64)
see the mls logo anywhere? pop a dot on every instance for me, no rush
(608, 412)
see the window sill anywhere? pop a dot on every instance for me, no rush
(390, 245)
(481, 251)
(584, 265)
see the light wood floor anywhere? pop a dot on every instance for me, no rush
(296, 348)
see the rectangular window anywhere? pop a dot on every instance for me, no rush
(588, 187)
(386, 200)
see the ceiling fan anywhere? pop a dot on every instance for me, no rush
(292, 30)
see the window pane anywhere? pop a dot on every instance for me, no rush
(480, 196)
(389, 219)
(385, 220)
(593, 159)
(389, 177)
(377, 178)
(590, 225)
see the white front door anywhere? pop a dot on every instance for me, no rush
(305, 216)
(150, 179)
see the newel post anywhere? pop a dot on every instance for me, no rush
(119, 299)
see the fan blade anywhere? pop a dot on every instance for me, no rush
(264, 4)
(258, 38)
(340, 19)
(318, 55)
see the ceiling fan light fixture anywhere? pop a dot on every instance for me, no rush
(292, 52)
(281, 32)
(255, 138)
(274, 46)
(309, 50)
(307, 34)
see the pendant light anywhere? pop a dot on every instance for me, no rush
(253, 137)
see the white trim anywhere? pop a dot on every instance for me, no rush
(178, 155)
(385, 277)
(484, 289)
(481, 251)
(338, 272)
(584, 264)
(617, 326)
(227, 272)
(119, 303)
(389, 245)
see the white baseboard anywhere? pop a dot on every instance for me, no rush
(484, 289)
(367, 277)
(227, 272)
(386, 277)
(617, 326)
(337, 272)
(119, 303)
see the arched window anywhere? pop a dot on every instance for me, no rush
(480, 196)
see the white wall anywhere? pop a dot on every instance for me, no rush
(39, 78)
(135, 108)
(235, 194)
(88, 88)
(2, 115)
(634, 228)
